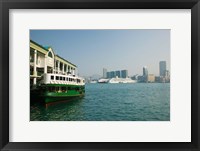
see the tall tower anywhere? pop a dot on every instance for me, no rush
(163, 68)
(145, 71)
(104, 73)
(118, 74)
(124, 73)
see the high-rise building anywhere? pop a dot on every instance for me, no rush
(118, 74)
(145, 71)
(104, 73)
(163, 68)
(124, 73)
(108, 75)
(113, 74)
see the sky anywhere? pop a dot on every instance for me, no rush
(93, 50)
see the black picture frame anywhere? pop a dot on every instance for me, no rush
(5, 5)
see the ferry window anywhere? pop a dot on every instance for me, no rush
(63, 78)
(52, 77)
(63, 89)
(57, 77)
(53, 88)
(43, 89)
(60, 78)
(57, 88)
(50, 89)
(66, 79)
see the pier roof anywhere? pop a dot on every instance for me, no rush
(45, 50)
(39, 45)
(66, 60)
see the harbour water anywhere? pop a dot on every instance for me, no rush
(111, 102)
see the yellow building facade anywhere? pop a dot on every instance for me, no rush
(44, 60)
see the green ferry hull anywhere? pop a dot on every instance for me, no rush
(43, 95)
(51, 99)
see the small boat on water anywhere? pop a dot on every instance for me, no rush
(57, 87)
(93, 81)
(103, 80)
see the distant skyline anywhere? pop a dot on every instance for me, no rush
(93, 50)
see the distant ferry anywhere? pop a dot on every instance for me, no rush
(57, 87)
(121, 80)
(117, 80)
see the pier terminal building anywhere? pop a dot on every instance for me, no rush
(44, 60)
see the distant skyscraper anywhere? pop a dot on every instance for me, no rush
(124, 73)
(104, 73)
(163, 68)
(113, 74)
(118, 74)
(108, 75)
(145, 71)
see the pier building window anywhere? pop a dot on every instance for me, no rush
(50, 55)
(32, 55)
(57, 77)
(65, 68)
(49, 69)
(52, 77)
